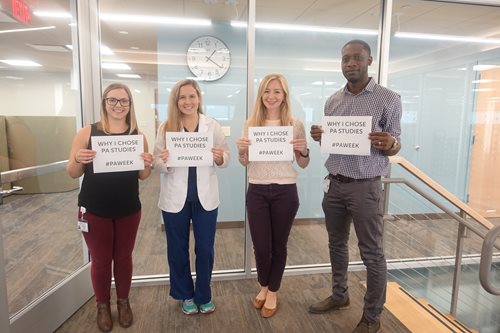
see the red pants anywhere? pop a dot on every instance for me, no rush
(111, 242)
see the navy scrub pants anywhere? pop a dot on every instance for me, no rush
(177, 230)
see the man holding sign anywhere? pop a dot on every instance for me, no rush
(353, 189)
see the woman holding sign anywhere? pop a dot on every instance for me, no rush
(272, 199)
(110, 209)
(190, 192)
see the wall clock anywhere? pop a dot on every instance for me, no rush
(208, 58)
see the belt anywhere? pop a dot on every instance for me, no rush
(344, 179)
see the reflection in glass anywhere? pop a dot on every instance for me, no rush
(155, 46)
(304, 43)
(38, 108)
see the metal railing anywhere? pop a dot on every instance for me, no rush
(476, 224)
(23, 173)
(486, 258)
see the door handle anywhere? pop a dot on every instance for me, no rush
(12, 190)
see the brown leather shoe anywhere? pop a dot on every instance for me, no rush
(267, 313)
(258, 303)
(125, 316)
(364, 326)
(104, 320)
(329, 304)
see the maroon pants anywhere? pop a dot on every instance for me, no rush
(111, 242)
(271, 210)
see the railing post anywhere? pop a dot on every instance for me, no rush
(1, 190)
(462, 233)
(4, 303)
(386, 191)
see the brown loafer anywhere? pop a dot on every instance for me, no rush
(125, 316)
(258, 303)
(104, 320)
(267, 313)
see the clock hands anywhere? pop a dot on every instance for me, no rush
(208, 59)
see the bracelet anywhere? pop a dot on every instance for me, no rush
(306, 155)
(76, 160)
(394, 144)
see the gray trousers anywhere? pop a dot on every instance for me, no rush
(361, 203)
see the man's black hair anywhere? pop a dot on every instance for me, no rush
(360, 42)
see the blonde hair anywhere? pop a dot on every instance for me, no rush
(173, 122)
(258, 116)
(131, 119)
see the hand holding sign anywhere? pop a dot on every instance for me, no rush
(381, 140)
(270, 143)
(186, 149)
(84, 156)
(346, 135)
(243, 144)
(316, 132)
(218, 155)
(300, 145)
(118, 153)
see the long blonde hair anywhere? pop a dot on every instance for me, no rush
(173, 122)
(131, 119)
(258, 116)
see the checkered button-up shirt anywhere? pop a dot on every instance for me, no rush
(384, 106)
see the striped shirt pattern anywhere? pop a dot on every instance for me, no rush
(384, 106)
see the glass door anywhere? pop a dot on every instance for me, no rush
(43, 258)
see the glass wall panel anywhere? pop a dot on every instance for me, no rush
(444, 61)
(152, 39)
(39, 110)
(304, 43)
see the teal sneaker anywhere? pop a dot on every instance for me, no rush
(207, 308)
(188, 307)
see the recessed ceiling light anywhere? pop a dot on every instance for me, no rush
(22, 63)
(155, 19)
(106, 50)
(114, 65)
(129, 76)
(479, 68)
(134, 48)
(13, 77)
(27, 29)
(312, 28)
(42, 13)
(48, 48)
(124, 32)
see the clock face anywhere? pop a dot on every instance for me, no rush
(208, 58)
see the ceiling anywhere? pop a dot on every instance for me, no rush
(137, 43)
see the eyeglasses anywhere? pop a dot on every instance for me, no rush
(113, 101)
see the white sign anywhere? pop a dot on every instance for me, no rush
(187, 149)
(116, 153)
(270, 143)
(347, 135)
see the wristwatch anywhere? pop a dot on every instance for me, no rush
(394, 144)
(306, 155)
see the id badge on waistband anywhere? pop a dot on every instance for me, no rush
(326, 184)
(82, 224)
